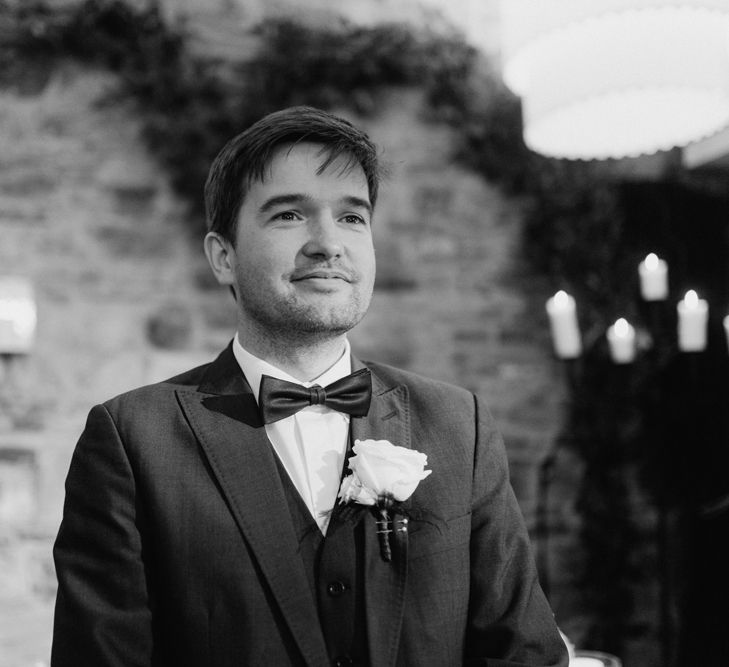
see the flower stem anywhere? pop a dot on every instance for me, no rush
(383, 531)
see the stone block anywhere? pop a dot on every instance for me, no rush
(396, 267)
(163, 364)
(22, 211)
(134, 201)
(135, 242)
(26, 183)
(27, 569)
(19, 487)
(170, 327)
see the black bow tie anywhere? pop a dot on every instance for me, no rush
(280, 399)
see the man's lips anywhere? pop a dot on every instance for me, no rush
(322, 274)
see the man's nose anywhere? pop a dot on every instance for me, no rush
(324, 238)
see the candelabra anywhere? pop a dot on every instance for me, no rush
(637, 373)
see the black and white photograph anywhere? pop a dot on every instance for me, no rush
(370, 333)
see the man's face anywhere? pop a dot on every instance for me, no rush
(304, 260)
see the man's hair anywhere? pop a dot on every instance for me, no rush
(245, 158)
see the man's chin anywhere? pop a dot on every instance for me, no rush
(328, 316)
(335, 309)
(334, 319)
(325, 325)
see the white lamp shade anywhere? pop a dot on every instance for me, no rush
(617, 78)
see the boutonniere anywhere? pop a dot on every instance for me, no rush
(383, 476)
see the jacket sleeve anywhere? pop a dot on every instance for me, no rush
(510, 623)
(102, 615)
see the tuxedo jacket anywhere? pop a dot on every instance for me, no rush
(177, 546)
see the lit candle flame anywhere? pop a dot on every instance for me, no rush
(622, 328)
(691, 298)
(561, 298)
(651, 261)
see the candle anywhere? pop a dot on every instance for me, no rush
(653, 278)
(693, 314)
(581, 661)
(562, 313)
(621, 337)
(726, 328)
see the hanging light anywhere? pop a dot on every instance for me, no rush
(617, 78)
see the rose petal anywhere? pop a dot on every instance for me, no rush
(369, 473)
(382, 467)
(346, 489)
(366, 496)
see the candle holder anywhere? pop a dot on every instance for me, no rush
(636, 394)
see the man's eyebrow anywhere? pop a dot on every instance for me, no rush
(282, 200)
(297, 198)
(359, 203)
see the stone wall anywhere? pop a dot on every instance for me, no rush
(125, 298)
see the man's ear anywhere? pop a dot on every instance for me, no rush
(221, 256)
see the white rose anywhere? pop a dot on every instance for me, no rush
(382, 468)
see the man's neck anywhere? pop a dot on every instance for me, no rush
(305, 357)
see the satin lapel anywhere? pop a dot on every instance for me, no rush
(242, 459)
(384, 584)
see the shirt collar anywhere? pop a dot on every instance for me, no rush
(253, 368)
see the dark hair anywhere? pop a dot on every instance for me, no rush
(244, 158)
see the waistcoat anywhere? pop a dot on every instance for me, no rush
(334, 566)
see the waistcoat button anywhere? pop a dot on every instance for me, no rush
(336, 588)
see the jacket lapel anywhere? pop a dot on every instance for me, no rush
(384, 584)
(224, 416)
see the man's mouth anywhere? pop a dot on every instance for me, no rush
(322, 274)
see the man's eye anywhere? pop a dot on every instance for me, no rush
(287, 216)
(352, 219)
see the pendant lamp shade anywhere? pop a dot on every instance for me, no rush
(617, 78)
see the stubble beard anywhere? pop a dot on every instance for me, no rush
(290, 321)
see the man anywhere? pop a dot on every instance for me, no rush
(201, 525)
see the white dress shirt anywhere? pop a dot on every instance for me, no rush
(312, 443)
